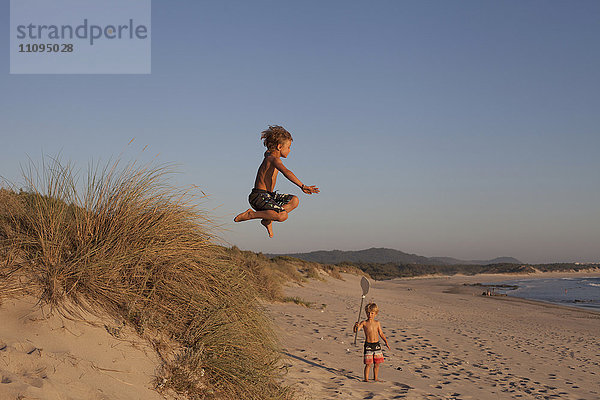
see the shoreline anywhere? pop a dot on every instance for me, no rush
(476, 290)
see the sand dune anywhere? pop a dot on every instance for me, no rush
(51, 357)
(447, 341)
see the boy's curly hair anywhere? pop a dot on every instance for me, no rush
(371, 307)
(275, 135)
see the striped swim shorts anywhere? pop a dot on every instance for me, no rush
(373, 353)
(262, 200)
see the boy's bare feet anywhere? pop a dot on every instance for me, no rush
(267, 223)
(245, 216)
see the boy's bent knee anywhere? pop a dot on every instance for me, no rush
(282, 216)
(295, 201)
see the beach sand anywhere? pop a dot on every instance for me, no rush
(51, 357)
(448, 342)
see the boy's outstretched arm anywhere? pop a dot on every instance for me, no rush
(293, 178)
(380, 331)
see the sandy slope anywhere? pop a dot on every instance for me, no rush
(51, 357)
(448, 342)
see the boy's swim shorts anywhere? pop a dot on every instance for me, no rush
(373, 353)
(262, 200)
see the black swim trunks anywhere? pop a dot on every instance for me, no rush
(262, 200)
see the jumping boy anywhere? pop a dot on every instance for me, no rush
(372, 352)
(268, 205)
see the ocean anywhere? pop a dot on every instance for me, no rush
(575, 292)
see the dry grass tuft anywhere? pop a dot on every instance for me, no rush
(140, 249)
(269, 274)
(266, 275)
(298, 300)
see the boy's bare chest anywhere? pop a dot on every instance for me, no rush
(371, 327)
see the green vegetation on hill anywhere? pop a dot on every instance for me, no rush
(390, 271)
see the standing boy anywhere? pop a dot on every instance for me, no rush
(372, 352)
(268, 205)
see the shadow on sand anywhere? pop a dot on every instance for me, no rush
(328, 369)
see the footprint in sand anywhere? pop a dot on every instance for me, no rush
(5, 379)
(27, 348)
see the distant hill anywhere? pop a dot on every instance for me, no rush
(382, 255)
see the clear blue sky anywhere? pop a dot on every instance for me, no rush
(468, 129)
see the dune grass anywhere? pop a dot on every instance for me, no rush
(268, 275)
(297, 300)
(140, 249)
